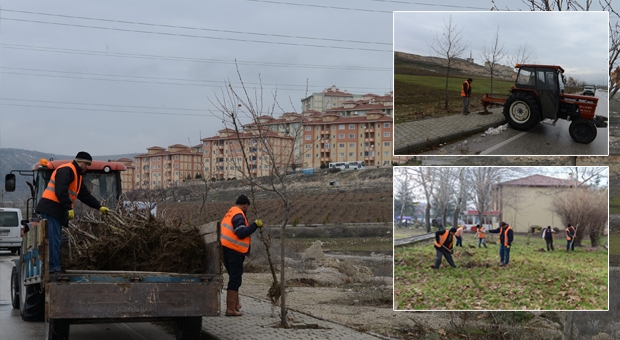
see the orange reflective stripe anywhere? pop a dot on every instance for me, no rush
(481, 233)
(465, 84)
(228, 238)
(442, 239)
(505, 233)
(73, 190)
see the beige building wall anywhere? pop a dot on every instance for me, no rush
(522, 206)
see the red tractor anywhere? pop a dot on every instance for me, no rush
(538, 94)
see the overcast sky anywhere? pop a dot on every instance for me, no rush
(113, 77)
(555, 37)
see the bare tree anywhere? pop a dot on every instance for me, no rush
(492, 55)
(425, 177)
(483, 180)
(461, 194)
(524, 54)
(257, 148)
(403, 192)
(448, 45)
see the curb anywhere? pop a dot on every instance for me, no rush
(421, 145)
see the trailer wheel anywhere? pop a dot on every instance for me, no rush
(522, 112)
(57, 329)
(32, 303)
(582, 131)
(188, 328)
(14, 288)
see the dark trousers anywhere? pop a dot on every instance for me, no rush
(482, 240)
(504, 254)
(233, 262)
(465, 104)
(549, 244)
(54, 231)
(571, 245)
(441, 252)
(459, 241)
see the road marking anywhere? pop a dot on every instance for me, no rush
(491, 149)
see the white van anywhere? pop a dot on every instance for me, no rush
(11, 230)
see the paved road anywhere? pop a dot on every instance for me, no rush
(544, 139)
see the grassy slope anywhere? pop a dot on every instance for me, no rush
(534, 279)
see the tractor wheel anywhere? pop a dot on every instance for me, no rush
(14, 288)
(582, 131)
(522, 112)
(32, 302)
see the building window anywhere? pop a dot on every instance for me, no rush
(307, 155)
(265, 166)
(351, 135)
(206, 152)
(351, 145)
(316, 156)
(207, 160)
(308, 137)
(386, 125)
(206, 143)
(317, 128)
(386, 153)
(341, 127)
(341, 136)
(350, 154)
(341, 154)
(386, 134)
(351, 126)
(308, 128)
(159, 158)
(176, 156)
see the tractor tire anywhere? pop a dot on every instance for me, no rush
(57, 329)
(582, 131)
(188, 328)
(32, 303)
(522, 112)
(14, 288)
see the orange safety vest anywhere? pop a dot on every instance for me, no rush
(481, 233)
(505, 232)
(465, 84)
(459, 232)
(568, 238)
(74, 187)
(228, 238)
(442, 240)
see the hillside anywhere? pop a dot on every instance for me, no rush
(352, 197)
(413, 64)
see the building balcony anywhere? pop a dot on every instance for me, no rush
(369, 130)
(325, 159)
(371, 139)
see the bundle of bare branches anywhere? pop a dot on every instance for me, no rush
(132, 241)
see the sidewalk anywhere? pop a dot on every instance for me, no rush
(261, 322)
(412, 137)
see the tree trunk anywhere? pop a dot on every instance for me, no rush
(428, 218)
(447, 77)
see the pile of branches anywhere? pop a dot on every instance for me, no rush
(132, 241)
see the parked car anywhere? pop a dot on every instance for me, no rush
(588, 90)
(11, 230)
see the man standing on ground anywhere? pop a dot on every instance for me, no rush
(506, 236)
(459, 236)
(466, 95)
(482, 235)
(235, 238)
(56, 204)
(548, 236)
(570, 237)
(443, 247)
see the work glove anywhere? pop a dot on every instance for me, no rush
(508, 246)
(71, 214)
(259, 223)
(104, 210)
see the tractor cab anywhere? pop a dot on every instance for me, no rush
(103, 180)
(545, 82)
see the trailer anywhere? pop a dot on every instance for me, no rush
(79, 296)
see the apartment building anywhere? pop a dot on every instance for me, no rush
(334, 138)
(164, 168)
(330, 97)
(230, 154)
(127, 176)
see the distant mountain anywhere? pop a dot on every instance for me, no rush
(19, 159)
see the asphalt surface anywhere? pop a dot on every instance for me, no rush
(464, 135)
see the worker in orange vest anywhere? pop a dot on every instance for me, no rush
(570, 237)
(443, 246)
(459, 236)
(506, 236)
(482, 235)
(466, 95)
(235, 238)
(56, 204)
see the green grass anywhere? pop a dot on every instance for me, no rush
(533, 280)
(479, 85)
(614, 206)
